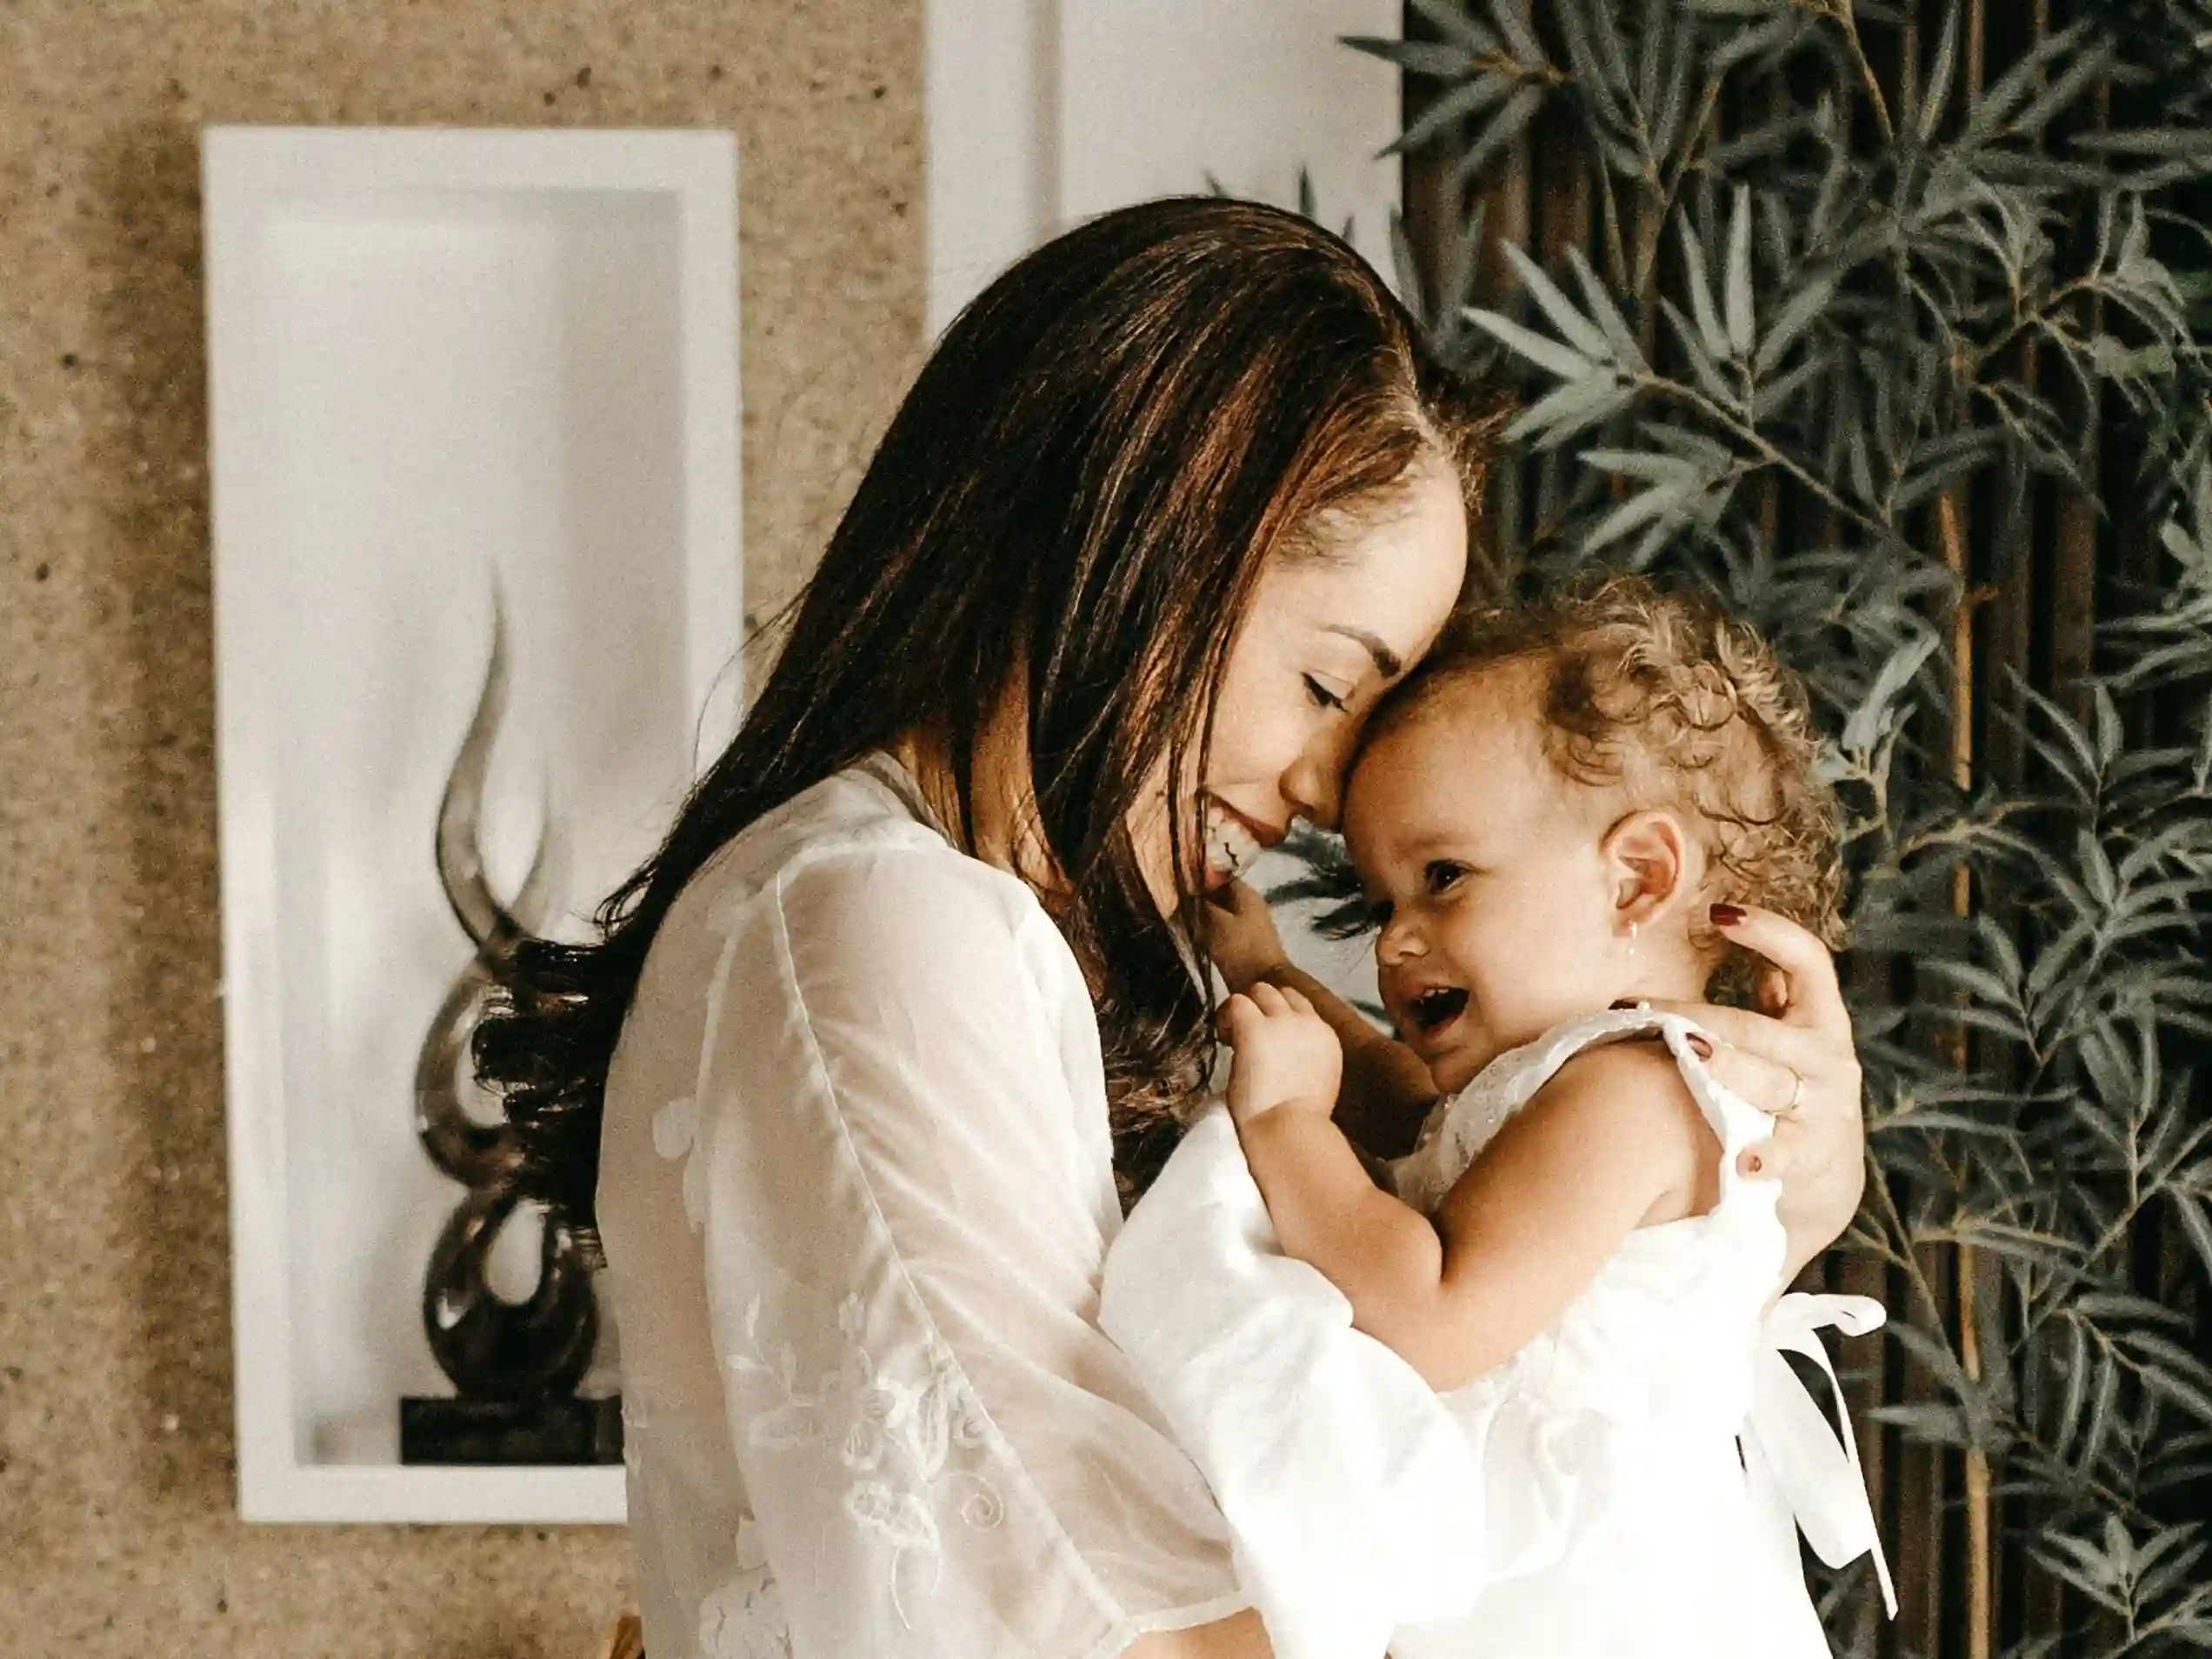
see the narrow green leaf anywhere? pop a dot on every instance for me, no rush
(1710, 333)
(1405, 269)
(1506, 126)
(1449, 111)
(1578, 329)
(1738, 297)
(1772, 398)
(1574, 406)
(1450, 19)
(1637, 509)
(1513, 24)
(1938, 90)
(1873, 715)
(2196, 1226)
(1709, 376)
(1995, 108)
(1642, 464)
(1432, 58)
(2080, 77)
(1746, 44)
(1608, 315)
(1794, 318)
(1562, 361)
(2191, 1396)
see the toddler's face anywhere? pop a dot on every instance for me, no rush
(1487, 872)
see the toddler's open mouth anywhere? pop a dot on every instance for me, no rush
(1436, 1007)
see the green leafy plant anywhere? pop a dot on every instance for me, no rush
(1905, 353)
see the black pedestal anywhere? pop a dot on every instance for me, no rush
(495, 1432)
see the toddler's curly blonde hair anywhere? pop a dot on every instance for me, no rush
(1664, 699)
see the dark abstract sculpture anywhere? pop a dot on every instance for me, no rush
(516, 1365)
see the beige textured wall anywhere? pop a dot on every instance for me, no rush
(117, 1532)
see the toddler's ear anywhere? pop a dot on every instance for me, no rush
(1653, 864)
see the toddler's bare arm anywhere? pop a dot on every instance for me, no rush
(1612, 1143)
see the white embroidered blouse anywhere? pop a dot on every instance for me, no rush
(855, 1190)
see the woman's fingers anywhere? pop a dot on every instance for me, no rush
(1784, 1047)
(1811, 995)
(1766, 1083)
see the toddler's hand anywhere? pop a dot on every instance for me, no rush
(1286, 1055)
(1240, 936)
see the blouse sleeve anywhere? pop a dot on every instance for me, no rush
(1357, 1503)
(904, 1194)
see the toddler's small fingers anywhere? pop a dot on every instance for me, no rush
(1297, 1000)
(1268, 998)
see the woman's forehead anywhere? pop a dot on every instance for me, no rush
(1391, 576)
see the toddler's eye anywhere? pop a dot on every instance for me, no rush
(1323, 696)
(1441, 873)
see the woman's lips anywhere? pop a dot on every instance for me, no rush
(1233, 841)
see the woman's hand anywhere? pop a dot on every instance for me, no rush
(1241, 937)
(1798, 1061)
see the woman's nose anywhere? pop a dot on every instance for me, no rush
(1315, 784)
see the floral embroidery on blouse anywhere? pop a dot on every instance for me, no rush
(675, 1129)
(742, 1617)
(675, 1126)
(893, 1434)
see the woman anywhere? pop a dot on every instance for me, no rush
(1170, 507)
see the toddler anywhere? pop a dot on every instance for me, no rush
(1529, 1400)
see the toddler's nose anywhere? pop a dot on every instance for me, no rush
(1397, 941)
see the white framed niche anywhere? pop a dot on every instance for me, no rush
(437, 357)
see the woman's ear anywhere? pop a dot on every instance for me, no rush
(1653, 864)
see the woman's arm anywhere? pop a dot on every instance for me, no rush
(1611, 1144)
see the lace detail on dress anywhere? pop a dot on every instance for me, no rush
(893, 1434)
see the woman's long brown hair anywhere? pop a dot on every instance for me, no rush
(1082, 487)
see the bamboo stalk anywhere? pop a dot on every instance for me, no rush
(1980, 1555)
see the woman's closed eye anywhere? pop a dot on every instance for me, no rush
(1322, 696)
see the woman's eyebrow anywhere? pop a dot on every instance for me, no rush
(1386, 660)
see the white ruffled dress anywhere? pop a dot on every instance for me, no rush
(1631, 1482)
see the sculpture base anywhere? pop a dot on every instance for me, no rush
(567, 1431)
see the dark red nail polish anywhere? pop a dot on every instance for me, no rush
(1699, 1046)
(1727, 915)
(1626, 1001)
